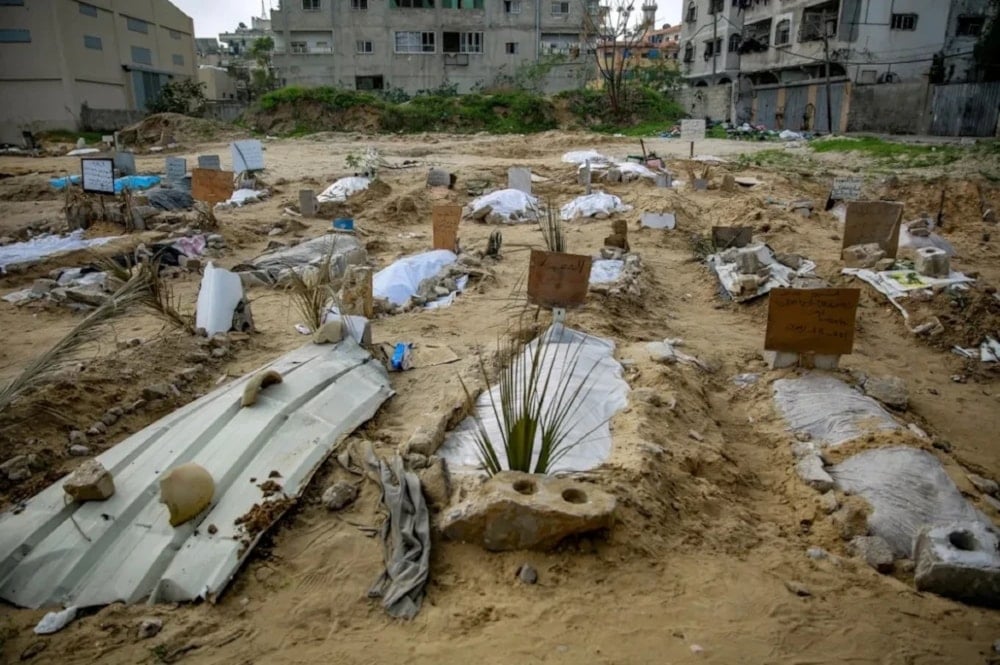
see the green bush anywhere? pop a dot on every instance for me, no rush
(334, 99)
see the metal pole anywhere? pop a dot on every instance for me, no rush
(829, 98)
(715, 37)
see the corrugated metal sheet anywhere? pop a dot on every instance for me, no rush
(124, 549)
(767, 105)
(965, 109)
(796, 99)
(822, 123)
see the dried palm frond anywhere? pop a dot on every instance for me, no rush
(551, 226)
(534, 406)
(45, 366)
(312, 290)
(159, 297)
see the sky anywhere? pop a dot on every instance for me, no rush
(214, 16)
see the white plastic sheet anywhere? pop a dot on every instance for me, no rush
(907, 489)
(343, 189)
(828, 409)
(606, 271)
(781, 275)
(604, 394)
(512, 205)
(593, 204)
(400, 281)
(633, 169)
(581, 157)
(899, 283)
(913, 242)
(221, 292)
(244, 196)
(46, 245)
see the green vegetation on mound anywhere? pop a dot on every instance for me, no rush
(297, 111)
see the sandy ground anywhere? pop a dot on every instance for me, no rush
(713, 523)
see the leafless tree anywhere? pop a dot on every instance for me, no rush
(614, 33)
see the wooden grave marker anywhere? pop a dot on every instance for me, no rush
(445, 221)
(211, 186)
(817, 321)
(726, 237)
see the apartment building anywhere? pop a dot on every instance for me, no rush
(57, 55)
(421, 44)
(869, 41)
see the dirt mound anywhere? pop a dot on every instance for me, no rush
(166, 128)
(292, 118)
(27, 188)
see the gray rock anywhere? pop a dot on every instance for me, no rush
(197, 357)
(189, 374)
(960, 560)
(149, 628)
(339, 495)
(527, 574)
(135, 406)
(817, 553)
(514, 510)
(79, 451)
(803, 449)
(890, 390)
(984, 485)
(874, 551)
(97, 429)
(77, 438)
(424, 441)
(798, 588)
(42, 285)
(111, 416)
(276, 231)
(435, 481)
(90, 482)
(416, 461)
(829, 502)
(157, 391)
(16, 468)
(220, 352)
(810, 470)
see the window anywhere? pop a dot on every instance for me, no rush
(323, 47)
(692, 13)
(462, 4)
(715, 6)
(178, 59)
(867, 76)
(783, 33)
(310, 5)
(734, 43)
(462, 42)
(709, 49)
(142, 56)
(511, 6)
(298, 47)
(904, 21)
(970, 26)
(688, 52)
(174, 34)
(364, 46)
(137, 25)
(511, 48)
(11, 3)
(85, 9)
(415, 42)
(360, 5)
(560, 9)
(91, 42)
(413, 4)
(15, 36)
(369, 83)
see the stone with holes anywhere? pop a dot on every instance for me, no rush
(514, 510)
(90, 482)
(959, 560)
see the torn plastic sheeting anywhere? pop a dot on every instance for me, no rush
(581, 157)
(449, 300)
(191, 247)
(907, 489)
(637, 170)
(606, 271)
(512, 205)
(780, 274)
(604, 394)
(652, 220)
(913, 242)
(82, 151)
(170, 199)
(343, 189)
(593, 204)
(244, 196)
(46, 245)
(275, 267)
(988, 351)
(829, 410)
(399, 282)
(898, 283)
(220, 294)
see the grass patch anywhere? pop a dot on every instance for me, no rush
(69, 136)
(650, 112)
(882, 151)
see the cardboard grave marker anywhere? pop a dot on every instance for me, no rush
(818, 321)
(693, 130)
(307, 202)
(846, 189)
(98, 175)
(519, 178)
(248, 155)
(211, 186)
(445, 221)
(125, 163)
(556, 279)
(176, 170)
(725, 237)
(873, 222)
(209, 162)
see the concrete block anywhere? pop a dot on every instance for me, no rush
(810, 470)
(875, 551)
(932, 262)
(781, 359)
(307, 202)
(959, 560)
(862, 256)
(890, 390)
(90, 482)
(519, 178)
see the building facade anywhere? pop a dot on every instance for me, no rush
(58, 55)
(423, 44)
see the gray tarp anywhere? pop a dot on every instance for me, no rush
(406, 538)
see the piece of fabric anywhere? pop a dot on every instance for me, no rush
(406, 539)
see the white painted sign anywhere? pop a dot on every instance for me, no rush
(693, 130)
(846, 189)
(209, 162)
(98, 175)
(247, 155)
(176, 169)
